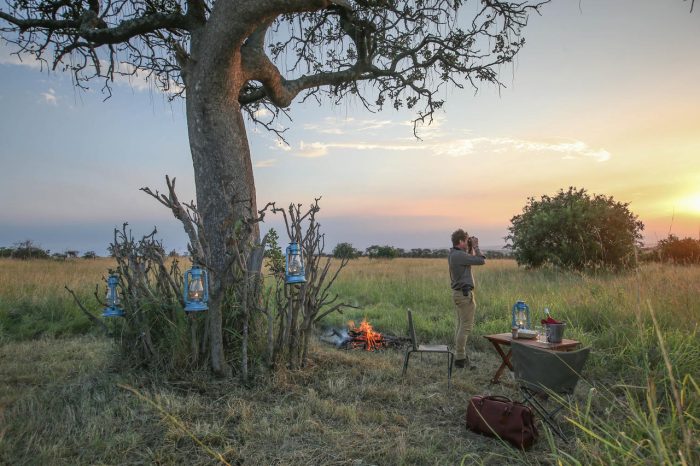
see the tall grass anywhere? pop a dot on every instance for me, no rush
(656, 422)
(34, 302)
(639, 403)
(605, 311)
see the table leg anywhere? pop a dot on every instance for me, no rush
(506, 362)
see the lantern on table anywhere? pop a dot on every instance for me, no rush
(196, 289)
(294, 265)
(520, 315)
(112, 301)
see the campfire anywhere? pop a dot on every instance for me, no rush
(363, 337)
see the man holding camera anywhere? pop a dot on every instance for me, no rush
(464, 253)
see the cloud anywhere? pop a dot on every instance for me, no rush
(266, 163)
(262, 113)
(569, 149)
(437, 140)
(337, 126)
(281, 145)
(139, 79)
(319, 149)
(313, 150)
(50, 97)
(459, 147)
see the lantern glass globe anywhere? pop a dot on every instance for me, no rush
(295, 264)
(195, 291)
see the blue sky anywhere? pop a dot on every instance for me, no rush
(604, 96)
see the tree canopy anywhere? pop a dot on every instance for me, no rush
(346, 251)
(407, 49)
(232, 58)
(575, 230)
(680, 251)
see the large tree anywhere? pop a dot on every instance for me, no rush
(576, 230)
(230, 57)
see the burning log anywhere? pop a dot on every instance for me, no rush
(364, 337)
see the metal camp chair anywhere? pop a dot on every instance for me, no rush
(435, 349)
(541, 373)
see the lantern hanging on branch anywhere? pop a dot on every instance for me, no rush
(112, 301)
(294, 265)
(196, 290)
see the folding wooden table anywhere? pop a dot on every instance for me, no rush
(500, 340)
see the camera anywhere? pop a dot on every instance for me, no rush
(470, 243)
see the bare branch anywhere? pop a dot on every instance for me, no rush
(188, 216)
(407, 50)
(90, 316)
(337, 307)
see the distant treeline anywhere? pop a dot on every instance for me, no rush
(29, 250)
(671, 250)
(675, 250)
(390, 252)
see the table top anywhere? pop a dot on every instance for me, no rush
(507, 339)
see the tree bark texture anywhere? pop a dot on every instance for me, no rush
(223, 171)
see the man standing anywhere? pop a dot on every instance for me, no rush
(464, 253)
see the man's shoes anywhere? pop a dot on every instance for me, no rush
(464, 363)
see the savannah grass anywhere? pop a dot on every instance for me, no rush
(70, 401)
(34, 302)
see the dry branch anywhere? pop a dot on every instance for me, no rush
(90, 316)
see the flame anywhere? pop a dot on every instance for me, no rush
(366, 335)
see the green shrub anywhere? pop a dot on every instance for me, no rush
(345, 250)
(575, 230)
(683, 251)
(383, 252)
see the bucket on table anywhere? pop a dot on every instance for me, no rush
(555, 332)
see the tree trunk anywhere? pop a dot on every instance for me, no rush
(223, 176)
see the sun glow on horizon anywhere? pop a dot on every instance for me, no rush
(691, 204)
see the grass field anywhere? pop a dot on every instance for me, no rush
(65, 398)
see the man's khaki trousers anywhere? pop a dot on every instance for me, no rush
(465, 307)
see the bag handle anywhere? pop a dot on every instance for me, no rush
(504, 399)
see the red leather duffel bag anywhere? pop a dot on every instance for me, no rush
(498, 416)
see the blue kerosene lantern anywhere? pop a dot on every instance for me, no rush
(521, 315)
(294, 266)
(196, 290)
(112, 301)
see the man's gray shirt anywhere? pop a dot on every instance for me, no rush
(461, 267)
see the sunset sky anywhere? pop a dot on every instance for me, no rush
(604, 96)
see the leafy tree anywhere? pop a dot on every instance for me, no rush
(683, 251)
(89, 255)
(345, 251)
(575, 230)
(29, 250)
(383, 252)
(229, 59)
